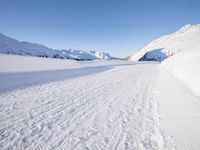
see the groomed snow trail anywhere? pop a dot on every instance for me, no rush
(114, 109)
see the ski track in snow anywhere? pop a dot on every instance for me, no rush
(114, 109)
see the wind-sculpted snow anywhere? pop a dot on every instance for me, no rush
(14, 47)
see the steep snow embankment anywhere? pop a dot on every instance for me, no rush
(15, 47)
(186, 66)
(186, 63)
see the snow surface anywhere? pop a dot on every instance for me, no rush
(15, 47)
(15, 63)
(179, 112)
(95, 105)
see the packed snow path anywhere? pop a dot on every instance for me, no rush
(118, 108)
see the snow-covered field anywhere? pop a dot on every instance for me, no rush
(65, 104)
(19, 71)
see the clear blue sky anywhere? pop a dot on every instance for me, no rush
(117, 26)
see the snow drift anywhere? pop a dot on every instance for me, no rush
(12, 46)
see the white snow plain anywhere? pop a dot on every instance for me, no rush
(95, 105)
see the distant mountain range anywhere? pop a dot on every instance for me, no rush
(11, 46)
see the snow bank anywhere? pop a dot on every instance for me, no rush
(186, 66)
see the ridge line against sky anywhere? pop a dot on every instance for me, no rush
(114, 26)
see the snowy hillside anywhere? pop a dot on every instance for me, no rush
(12, 46)
(185, 48)
(168, 45)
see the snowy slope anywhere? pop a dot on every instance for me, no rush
(184, 48)
(12, 46)
(168, 45)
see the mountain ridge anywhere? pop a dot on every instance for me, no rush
(10, 45)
